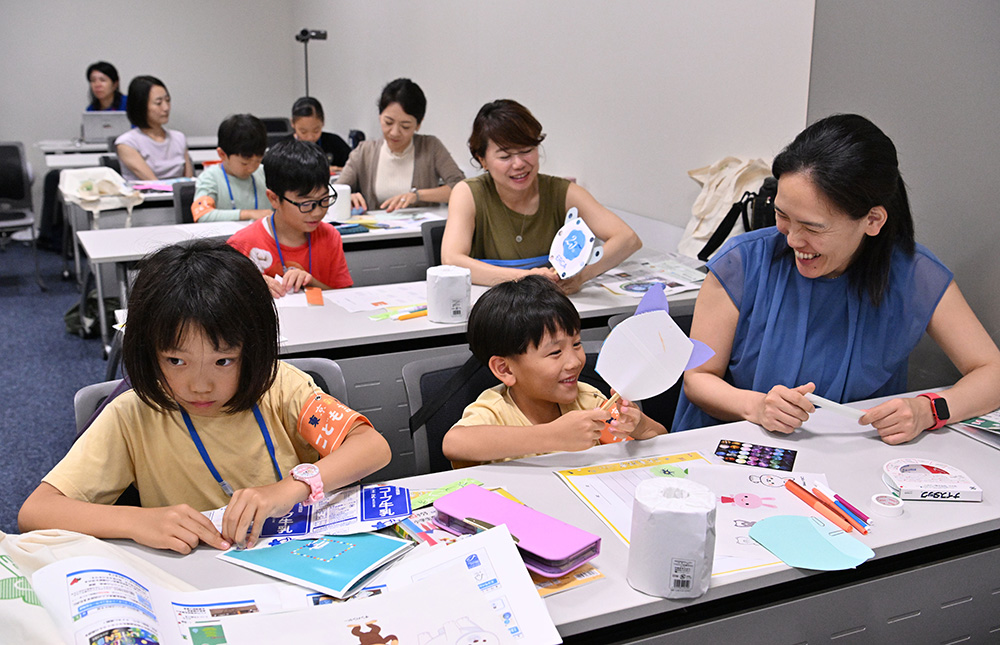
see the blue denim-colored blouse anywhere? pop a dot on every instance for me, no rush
(792, 329)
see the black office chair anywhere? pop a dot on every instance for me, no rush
(183, 198)
(16, 210)
(424, 380)
(355, 137)
(278, 128)
(432, 232)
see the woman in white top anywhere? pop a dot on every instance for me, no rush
(403, 168)
(150, 151)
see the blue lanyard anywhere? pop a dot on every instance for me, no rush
(226, 488)
(231, 199)
(278, 245)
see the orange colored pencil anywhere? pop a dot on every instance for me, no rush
(829, 503)
(817, 505)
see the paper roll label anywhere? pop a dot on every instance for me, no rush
(681, 574)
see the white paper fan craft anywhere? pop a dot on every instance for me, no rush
(646, 353)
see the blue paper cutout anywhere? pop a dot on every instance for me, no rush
(809, 543)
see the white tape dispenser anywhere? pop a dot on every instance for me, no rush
(574, 246)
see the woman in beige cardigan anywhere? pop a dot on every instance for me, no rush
(403, 168)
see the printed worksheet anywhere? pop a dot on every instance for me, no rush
(378, 296)
(744, 496)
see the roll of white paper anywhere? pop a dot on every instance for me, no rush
(341, 209)
(449, 292)
(672, 541)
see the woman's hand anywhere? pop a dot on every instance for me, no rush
(179, 528)
(358, 202)
(244, 517)
(783, 409)
(403, 200)
(900, 420)
(571, 284)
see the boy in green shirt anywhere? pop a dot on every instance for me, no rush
(234, 189)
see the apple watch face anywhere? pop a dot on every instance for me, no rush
(941, 408)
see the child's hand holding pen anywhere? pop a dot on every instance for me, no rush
(577, 430)
(628, 419)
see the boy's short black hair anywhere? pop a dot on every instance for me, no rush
(513, 316)
(243, 135)
(296, 166)
(207, 285)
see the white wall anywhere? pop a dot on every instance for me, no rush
(928, 73)
(216, 58)
(631, 94)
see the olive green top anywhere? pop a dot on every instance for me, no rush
(498, 227)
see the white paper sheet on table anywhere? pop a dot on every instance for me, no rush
(378, 296)
(442, 609)
(745, 495)
(491, 560)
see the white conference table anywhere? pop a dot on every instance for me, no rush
(379, 253)
(934, 577)
(92, 159)
(77, 146)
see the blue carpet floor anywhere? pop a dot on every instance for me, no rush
(41, 367)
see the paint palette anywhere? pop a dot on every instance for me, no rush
(749, 454)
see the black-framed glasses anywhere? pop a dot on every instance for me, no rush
(310, 206)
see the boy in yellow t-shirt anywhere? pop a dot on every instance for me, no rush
(528, 333)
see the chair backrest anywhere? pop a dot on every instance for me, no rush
(15, 177)
(423, 381)
(326, 373)
(183, 198)
(278, 128)
(355, 137)
(89, 398)
(111, 161)
(432, 232)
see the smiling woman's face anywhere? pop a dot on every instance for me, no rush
(825, 239)
(514, 169)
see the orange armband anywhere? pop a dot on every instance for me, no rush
(324, 422)
(202, 206)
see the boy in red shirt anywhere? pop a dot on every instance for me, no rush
(293, 247)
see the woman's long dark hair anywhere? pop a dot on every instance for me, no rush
(854, 164)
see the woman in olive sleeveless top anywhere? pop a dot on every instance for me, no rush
(501, 223)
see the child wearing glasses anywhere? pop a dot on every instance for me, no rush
(293, 247)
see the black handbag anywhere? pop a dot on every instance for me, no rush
(755, 209)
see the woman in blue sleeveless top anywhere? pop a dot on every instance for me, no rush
(833, 300)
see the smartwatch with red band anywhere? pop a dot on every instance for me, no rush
(309, 475)
(939, 408)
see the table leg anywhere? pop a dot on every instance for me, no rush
(101, 314)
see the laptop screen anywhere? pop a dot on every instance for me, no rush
(97, 127)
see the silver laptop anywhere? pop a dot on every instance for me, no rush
(98, 126)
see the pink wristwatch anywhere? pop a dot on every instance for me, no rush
(309, 474)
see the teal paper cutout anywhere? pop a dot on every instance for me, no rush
(810, 543)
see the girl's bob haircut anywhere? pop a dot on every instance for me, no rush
(206, 285)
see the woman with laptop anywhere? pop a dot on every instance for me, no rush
(150, 151)
(104, 92)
